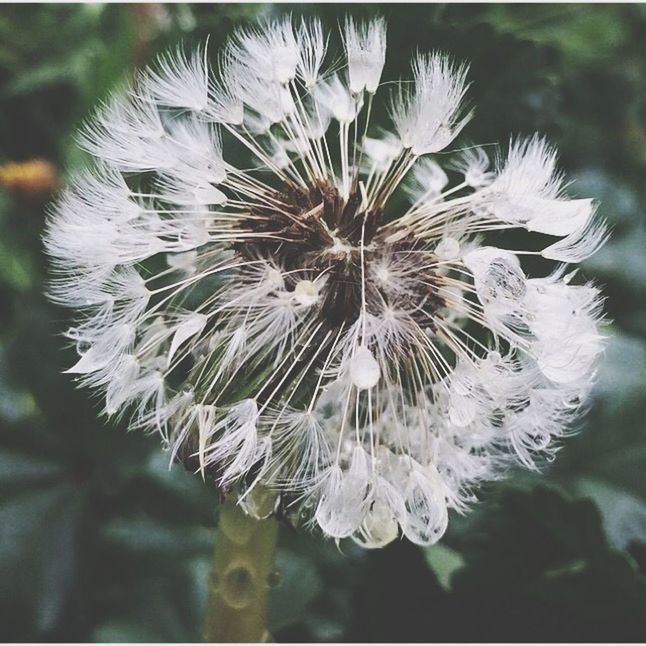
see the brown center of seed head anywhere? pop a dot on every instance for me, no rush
(315, 233)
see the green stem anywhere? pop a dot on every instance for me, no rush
(240, 579)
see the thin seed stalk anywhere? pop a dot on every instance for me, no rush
(240, 579)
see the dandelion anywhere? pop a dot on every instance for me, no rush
(303, 302)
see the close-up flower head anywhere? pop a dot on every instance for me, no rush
(322, 322)
(348, 320)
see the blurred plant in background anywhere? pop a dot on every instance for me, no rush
(99, 541)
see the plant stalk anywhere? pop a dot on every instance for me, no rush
(240, 579)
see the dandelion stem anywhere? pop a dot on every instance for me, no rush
(240, 579)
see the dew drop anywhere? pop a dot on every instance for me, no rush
(306, 293)
(448, 249)
(364, 369)
(83, 346)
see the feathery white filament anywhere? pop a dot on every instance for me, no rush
(428, 117)
(365, 45)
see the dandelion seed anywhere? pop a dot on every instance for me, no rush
(278, 329)
(365, 45)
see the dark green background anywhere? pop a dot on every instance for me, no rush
(99, 541)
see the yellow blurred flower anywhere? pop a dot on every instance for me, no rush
(32, 179)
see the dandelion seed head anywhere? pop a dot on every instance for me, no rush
(328, 323)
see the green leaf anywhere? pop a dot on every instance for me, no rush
(624, 515)
(607, 461)
(150, 539)
(16, 270)
(295, 586)
(543, 547)
(154, 618)
(445, 563)
(26, 470)
(578, 33)
(39, 534)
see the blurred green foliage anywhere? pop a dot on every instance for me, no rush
(99, 540)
